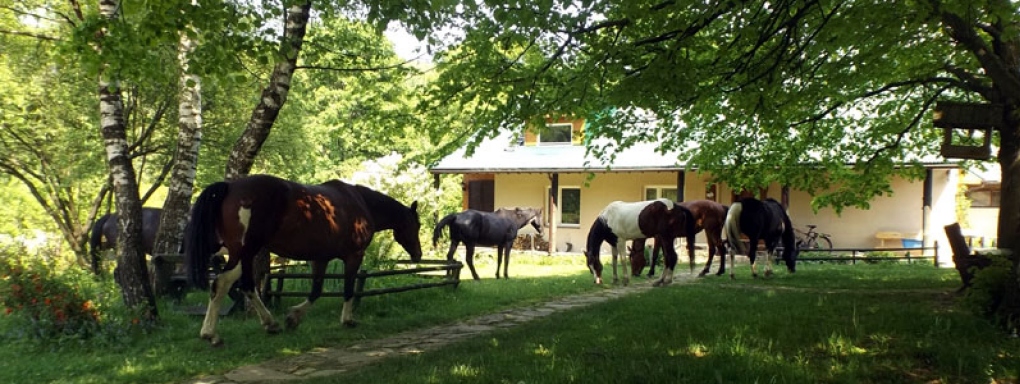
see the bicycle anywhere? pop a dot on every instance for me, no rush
(812, 240)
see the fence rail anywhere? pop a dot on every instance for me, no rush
(451, 276)
(853, 255)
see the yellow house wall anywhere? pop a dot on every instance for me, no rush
(853, 228)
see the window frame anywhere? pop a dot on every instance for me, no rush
(658, 190)
(559, 198)
(570, 134)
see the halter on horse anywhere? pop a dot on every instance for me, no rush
(315, 223)
(760, 220)
(497, 229)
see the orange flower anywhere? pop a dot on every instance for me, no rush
(86, 305)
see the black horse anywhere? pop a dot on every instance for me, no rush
(760, 220)
(315, 223)
(497, 229)
(103, 234)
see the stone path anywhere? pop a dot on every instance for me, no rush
(334, 361)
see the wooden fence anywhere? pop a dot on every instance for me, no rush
(853, 255)
(274, 287)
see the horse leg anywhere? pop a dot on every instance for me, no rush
(351, 268)
(671, 258)
(499, 258)
(506, 262)
(656, 248)
(219, 289)
(470, 258)
(296, 313)
(453, 249)
(721, 248)
(690, 250)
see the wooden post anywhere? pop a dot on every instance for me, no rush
(554, 209)
(680, 183)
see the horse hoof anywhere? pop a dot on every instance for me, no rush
(292, 322)
(350, 323)
(657, 283)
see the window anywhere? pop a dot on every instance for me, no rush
(984, 197)
(655, 192)
(556, 134)
(570, 206)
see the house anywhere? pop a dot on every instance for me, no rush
(983, 190)
(551, 170)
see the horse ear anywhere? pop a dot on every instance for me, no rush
(414, 206)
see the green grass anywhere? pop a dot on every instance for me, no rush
(173, 352)
(885, 324)
(826, 323)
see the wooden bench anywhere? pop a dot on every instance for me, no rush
(895, 237)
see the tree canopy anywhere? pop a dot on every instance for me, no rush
(750, 91)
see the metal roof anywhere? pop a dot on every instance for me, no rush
(503, 155)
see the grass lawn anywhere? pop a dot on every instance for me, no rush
(826, 324)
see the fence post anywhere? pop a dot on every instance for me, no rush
(359, 286)
(936, 258)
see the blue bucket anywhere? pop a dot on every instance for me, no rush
(912, 243)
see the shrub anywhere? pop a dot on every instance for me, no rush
(45, 298)
(990, 285)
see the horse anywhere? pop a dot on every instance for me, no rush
(103, 234)
(760, 220)
(661, 219)
(497, 229)
(709, 216)
(314, 223)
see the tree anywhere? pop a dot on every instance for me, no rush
(751, 91)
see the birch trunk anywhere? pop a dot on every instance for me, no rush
(130, 273)
(182, 180)
(274, 95)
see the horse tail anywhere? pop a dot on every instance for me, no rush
(789, 240)
(732, 228)
(95, 241)
(200, 237)
(439, 228)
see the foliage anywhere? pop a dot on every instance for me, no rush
(755, 93)
(989, 288)
(50, 304)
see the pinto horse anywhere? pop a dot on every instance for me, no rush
(760, 220)
(709, 216)
(104, 233)
(314, 223)
(497, 229)
(661, 219)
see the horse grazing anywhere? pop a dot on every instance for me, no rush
(760, 220)
(661, 219)
(497, 229)
(105, 230)
(315, 223)
(709, 216)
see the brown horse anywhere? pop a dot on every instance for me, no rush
(709, 216)
(618, 222)
(315, 223)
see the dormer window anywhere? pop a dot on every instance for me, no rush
(556, 134)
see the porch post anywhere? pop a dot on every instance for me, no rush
(926, 207)
(680, 180)
(554, 189)
(784, 197)
(435, 185)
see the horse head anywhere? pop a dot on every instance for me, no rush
(534, 216)
(407, 234)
